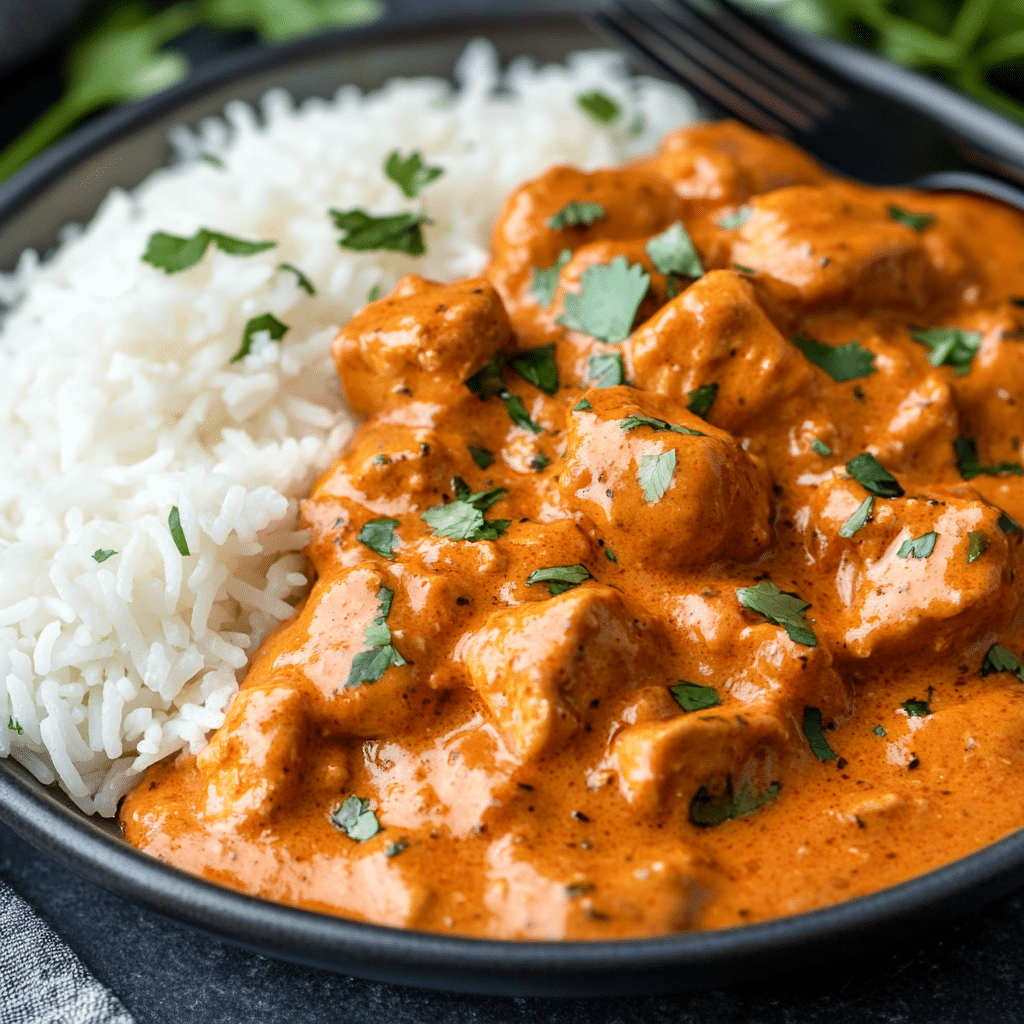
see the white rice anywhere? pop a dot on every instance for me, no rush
(121, 401)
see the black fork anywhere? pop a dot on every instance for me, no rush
(773, 83)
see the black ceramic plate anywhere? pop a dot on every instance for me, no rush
(66, 184)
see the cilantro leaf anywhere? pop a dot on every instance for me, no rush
(395, 848)
(821, 448)
(356, 820)
(858, 519)
(544, 283)
(707, 810)
(918, 547)
(743, 270)
(610, 555)
(840, 362)
(1008, 524)
(398, 232)
(966, 449)
(177, 533)
(374, 293)
(605, 371)
(655, 474)
(815, 734)
(264, 322)
(600, 107)
(632, 422)
(213, 161)
(411, 175)
(540, 462)
(606, 305)
(916, 708)
(463, 519)
(560, 578)
(999, 659)
(173, 253)
(732, 221)
(102, 554)
(487, 381)
(916, 221)
(14, 725)
(977, 545)
(871, 475)
(287, 19)
(672, 252)
(539, 367)
(582, 406)
(577, 215)
(694, 697)
(481, 456)
(303, 282)
(780, 609)
(879, 731)
(518, 414)
(701, 399)
(950, 345)
(369, 665)
(379, 535)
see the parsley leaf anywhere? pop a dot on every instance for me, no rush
(779, 608)
(655, 474)
(411, 175)
(600, 107)
(463, 518)
(815, 734)
(544, 283)
(1008, 524)
(918, 547)
(916, 708)
(840, 362)
(518, 414)
(582, 406)
(858, 519)
(999, 659)
(707, 810)
(966, 449)
(368, 666)
(632, 422)
(303, 282)
(916, 221)
(694, 697)
(398, 232)
(560, 578)
(264, 322)
(873, 477)
(672, 252)
(577, 215)
(177, 533)
(732, 221)
(821, 448)
(379, 535)
(539, 367)
(356, 820)
(102, 554)
(606, 305)
(481, 456)
(173, 253)
(14, 725)
(701, 399)
(605, 371)
(487, 381)
(950, 345)
(977, 545)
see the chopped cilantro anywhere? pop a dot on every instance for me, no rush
(411, 175)
(655, 474)
(177, 533)
(858, 519)
(871, 475)
(701, 399)
(540, 462)
(544, 283)
(369, 665)
(606, 371)
(102, 554)
(999, 659)
(879, 731)
(374, 293)
(732, 221)
(916, 221)
(253, 326)
(966, 449)
(694, 697)
(481, 456)
(560, 578)
(356, 820)
(840, 362)
(707, 810)
(577, 215)
(977, 545)
(14, 725)
(1008, 524)
(213, 161)
(518, 414)
(815, 734)
(821, 448)
(582, 406)
(610, 555)
(600, 107)
(463, 518)
(172, 253)
(539, 367)
(487, 381)
(606, 305)
(672, 252)
(918, 547)
(395, 848)
(379, 535)
(301, 280)
(397, 232)
(744, 270)
(779, 608)
(632, 422)
(916, 708)
(950, 345)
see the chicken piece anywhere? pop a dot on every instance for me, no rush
(710, 501)
(422, 341)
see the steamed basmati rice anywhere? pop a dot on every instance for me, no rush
(122, 402)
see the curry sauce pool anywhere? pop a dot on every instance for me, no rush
(672, 581)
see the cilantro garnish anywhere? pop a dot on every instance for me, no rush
(966, 449)
(655, 474)
(544, 283)
(732, 221)
(1008, 524)
(977, 544)
(916, 708)
(582, 406)
(213, 161)
(173, 253)
(379, 535)
(701, 399)
(177, 533)
(606, 371)
(821, 448)
(873, 477)
(815, 734)
(600, 107)
(916, 221)
(577, 215)
(858, 519)
(672, 252)
(411, 175)
(540, 462)
(606, 305)
(560, 578)
(539, 367)
(102, 554)
(301, 280)
(610, 555)
(780, 609)
(14, 725)
(264, 322)
(395, 848)
(918, 547)
(487, 381)
(694, 697)
(742, 269)
(879, 731)
(374, 293)
(950, 345)
(368, 666)
(840, 362)
(632, 422)
(356, 820)
(397, 232)
(518, 414)
(481, 456)
(999, 659)
(463, 518)
(707, 810)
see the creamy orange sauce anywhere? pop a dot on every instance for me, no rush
(533, 774)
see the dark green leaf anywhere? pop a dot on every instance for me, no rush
(1008, 524)
(287, 19)
(655, 474)
(916, 221)
(821, 448)
(701, 399)
(871, 475)
(779, 608)
(840, 362)
(582, 406)
(577, 215)
(610, 555)
(379, 535)
(732, 221)
(977, 545)
(368, 666)
(858, 519)
(487, 381)
(264, 322)
(177, 533)
(707, 810)
(303, 282)
(374, 293)
(950, 345)
(481, 456)
(879, 731)
(173, 253)
(815, 733)
(918, 547)
(999, 659)
(539, 367)
(606, 371)
(743, 270)
(540, 462)
(544, 283)
(518, 414)
(606, 305)
(356, 820)
(463, 519)
(600, 107)
(395, 848)
(102, 554)
(560, 578)
(411, 175)
(694, 697)
(916, 708)
(632, 422)
(397, 232)
(966, 450)
(672, 252)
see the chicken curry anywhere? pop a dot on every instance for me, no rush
(673, 580)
